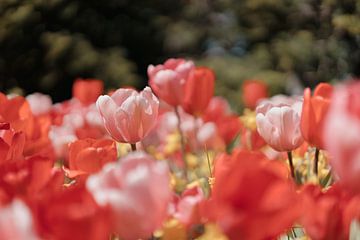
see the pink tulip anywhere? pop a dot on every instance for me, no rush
(137, 190)
(128, 115)
(168, 80)
(278, 122)
(16, 222)
(39, 103)
(342, 135)
(187, 208)
(208, 137)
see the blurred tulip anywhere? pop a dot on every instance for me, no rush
(11, 146)
(16, 222)
(208, 136)
(278, 122)
(216, 109)
(138, 192)
(39, 103)
(128, 115)
(252, 92)
(69, 213)
(250, 139)
(342, 134)
(323, 212)
(24, 178)
(187, 208)
(253, 197)
(87, 90)
(60, 137)
(199, 89)
(219, 112)
(168, 80)
(88, 156)
(314, 112)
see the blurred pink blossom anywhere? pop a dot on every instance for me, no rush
(137, 188)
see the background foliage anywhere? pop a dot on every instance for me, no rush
(46, 44)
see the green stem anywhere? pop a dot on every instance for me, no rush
(292, 171)
(316, 161)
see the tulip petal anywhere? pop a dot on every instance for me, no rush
(107, 108)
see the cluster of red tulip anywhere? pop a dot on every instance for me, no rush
(174, 162)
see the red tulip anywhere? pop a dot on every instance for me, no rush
(69, 213)
(17, 113)
(199, 89)
(24, 178)
(253, 197)
(251, 139)
(168, 80)
(219, 112)
(313, 114)
(252, 92)
(89, 156)
(323, 212)
(87, 90)
(217, 108)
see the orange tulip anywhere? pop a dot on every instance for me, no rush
(252, 92)
(89, 155)
(314, 111)
(199, 89)
(87, 90)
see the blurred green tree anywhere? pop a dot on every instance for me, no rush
(46, 44)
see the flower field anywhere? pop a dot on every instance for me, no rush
(173, 161)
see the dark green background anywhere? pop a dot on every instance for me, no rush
(46, 44)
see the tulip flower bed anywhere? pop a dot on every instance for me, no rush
(175, 162)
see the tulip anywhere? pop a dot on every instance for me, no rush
(187, 208)
(252, 92)
(39, 103)
(217, 108)
(219, 112)
(138, 192)
(278, 123)
(24, 178)
(16, 222)
(69, 213)
(128, 115)
(87, 90)
(252, 197)
(209, 138)
(89, 155)
(342, 134)
(168, 80)
(314, 112)
(323, 212)
(199, 90)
